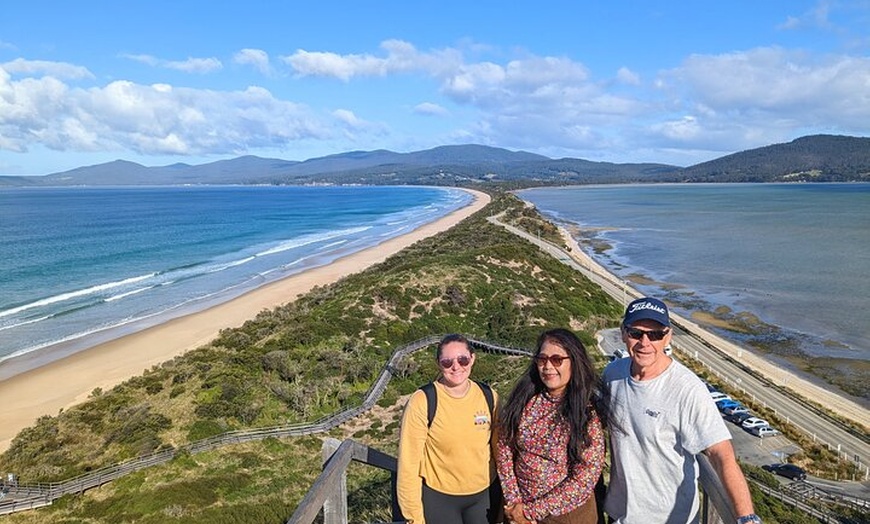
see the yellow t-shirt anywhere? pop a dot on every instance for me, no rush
(453, 456)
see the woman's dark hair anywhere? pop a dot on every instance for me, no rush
(453, 337)
(585, 390)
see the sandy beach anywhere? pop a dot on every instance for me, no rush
(70, 380)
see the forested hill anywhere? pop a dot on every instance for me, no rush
(819, 158)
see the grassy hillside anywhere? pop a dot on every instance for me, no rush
(298, 363)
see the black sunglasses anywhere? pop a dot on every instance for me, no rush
(555, 360)
(654, 335)
(447, 363)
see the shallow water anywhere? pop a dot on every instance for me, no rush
(794, 255)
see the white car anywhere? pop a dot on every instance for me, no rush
(754, 422)
(718, 395)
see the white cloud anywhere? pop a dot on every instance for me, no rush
(479, 83)
(772, 89)
(626, 76)
(257, 58)
(20, 66)
(522, 102)
(791, 22)
(354, 129)
(153, 120)
(400, 57)
(195, 65)
(143, 59)
(330, 64)
(430, 109)
(684, 129)
(348, 117)
(191, 65)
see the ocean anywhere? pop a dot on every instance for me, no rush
(83, 265)
(797, 256)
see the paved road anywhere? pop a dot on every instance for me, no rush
(697, 344)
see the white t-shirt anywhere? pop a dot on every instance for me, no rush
(665, 422)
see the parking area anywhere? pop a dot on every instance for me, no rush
(760, 451)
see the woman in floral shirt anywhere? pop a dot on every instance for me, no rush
(550, 445)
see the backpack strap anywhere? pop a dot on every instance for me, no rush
(487, 392)
(432, 399)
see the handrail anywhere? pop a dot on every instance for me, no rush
(715, 493)
(329, 487)
(330, 484)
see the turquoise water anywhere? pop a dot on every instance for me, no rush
(79, 265)
(796, 255)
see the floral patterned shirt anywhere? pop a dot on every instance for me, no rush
(539, 476)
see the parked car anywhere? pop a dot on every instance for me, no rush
(727, 403)
(733, 410)
(718, 395)
(789, 471)
(737, 418)
(763, 431)
(754, 422)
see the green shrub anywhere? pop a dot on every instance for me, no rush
(204, 428)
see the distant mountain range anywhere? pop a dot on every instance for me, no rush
(817, 158)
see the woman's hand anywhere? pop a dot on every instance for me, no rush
(514, 514)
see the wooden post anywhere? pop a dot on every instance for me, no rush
(335, 505)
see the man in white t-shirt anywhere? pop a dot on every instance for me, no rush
(663, 417)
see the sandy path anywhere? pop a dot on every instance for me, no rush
(66, 382)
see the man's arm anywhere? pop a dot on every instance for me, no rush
(724, 461)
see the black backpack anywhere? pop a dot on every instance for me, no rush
(432, 399)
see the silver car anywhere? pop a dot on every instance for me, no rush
(763, 431)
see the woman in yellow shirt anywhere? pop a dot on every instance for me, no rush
(446, 469)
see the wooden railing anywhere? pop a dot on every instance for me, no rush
(716, 507)
(329, 491)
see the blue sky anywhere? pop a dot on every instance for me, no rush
(159, 82)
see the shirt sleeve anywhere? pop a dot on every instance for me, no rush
(577, 487)
(412, 440)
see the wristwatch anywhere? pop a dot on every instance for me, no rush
(752, 518)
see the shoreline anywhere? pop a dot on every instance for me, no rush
(69, 380)
(787, 378)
